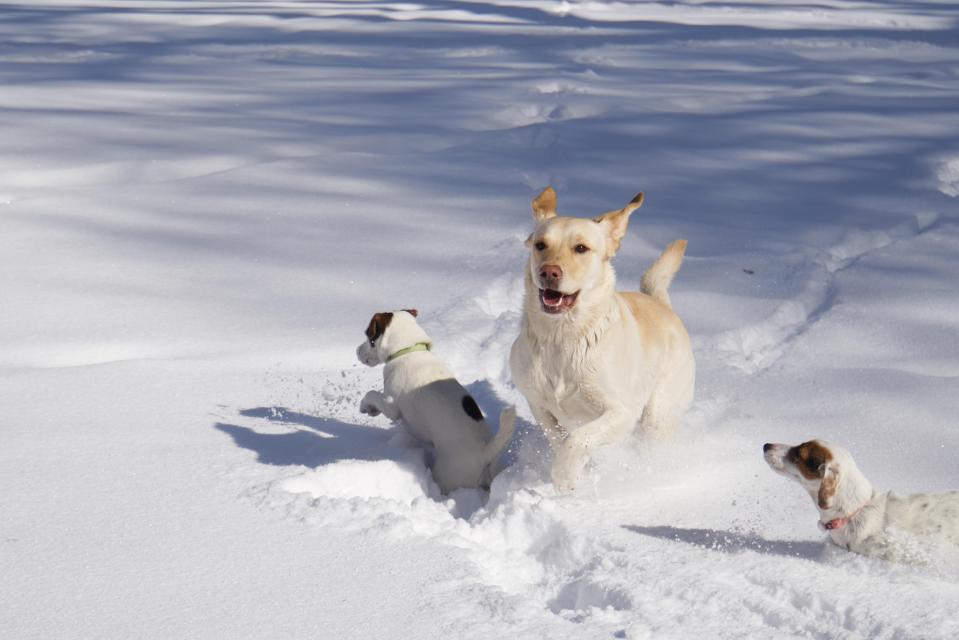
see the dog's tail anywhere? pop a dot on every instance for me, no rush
(507, 425)
(658, 277)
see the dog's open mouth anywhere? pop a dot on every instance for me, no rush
(556, 301)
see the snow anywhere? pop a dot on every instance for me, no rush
(202, 203)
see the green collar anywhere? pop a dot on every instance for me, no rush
(419, 346)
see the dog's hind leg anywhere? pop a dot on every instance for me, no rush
(661, 420)
(663, 413)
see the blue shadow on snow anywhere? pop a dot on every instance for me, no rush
(732, 542)
(323, 441)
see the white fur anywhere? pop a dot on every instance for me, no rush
(873, 517)
(419, 390)
(613, 360)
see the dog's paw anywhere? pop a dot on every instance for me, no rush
(568, 464)
(367, 404)
(369, 410)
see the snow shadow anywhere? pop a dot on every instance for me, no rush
(315, 442)
(733, 542)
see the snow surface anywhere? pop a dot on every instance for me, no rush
(201, 204)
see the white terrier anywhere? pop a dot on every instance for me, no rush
(419, 390)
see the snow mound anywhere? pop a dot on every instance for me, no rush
(948, 174)
(382, 479)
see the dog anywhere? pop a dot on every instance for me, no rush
(855, 515)
(419, 390)
(593, 362)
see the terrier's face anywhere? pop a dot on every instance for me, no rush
(383, 332)
(816, 465)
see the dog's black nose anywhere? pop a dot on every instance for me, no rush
(767, 447)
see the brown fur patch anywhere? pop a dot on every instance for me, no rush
(808, 458)
(827, 489)
(377, 327)
(412, 312)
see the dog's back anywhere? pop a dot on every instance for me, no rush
(429, 411)
(935, 514)
(658, 323)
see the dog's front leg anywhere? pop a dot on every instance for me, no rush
(573, 452)
(374, 403)
(550, 426)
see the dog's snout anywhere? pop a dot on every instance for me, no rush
(767, 447)
(551, 271)
(551, 274)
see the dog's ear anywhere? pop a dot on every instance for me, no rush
(544, 205)
(412, 312)
(618, 220)
(829, 484)
(377, 326)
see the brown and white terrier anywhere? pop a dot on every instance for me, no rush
(852, 512)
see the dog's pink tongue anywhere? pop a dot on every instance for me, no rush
(552, 298)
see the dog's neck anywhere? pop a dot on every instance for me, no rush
(854, 494)
(419, 346)
(399, 341)
(840, 522)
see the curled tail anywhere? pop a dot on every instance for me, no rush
(657, 278)
(507, 425)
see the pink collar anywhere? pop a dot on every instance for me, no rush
(839, 523)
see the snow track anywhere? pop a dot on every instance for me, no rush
(757, 347)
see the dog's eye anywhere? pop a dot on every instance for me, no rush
(581, 248)
(540, 245)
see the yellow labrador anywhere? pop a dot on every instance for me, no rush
(593, 362)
